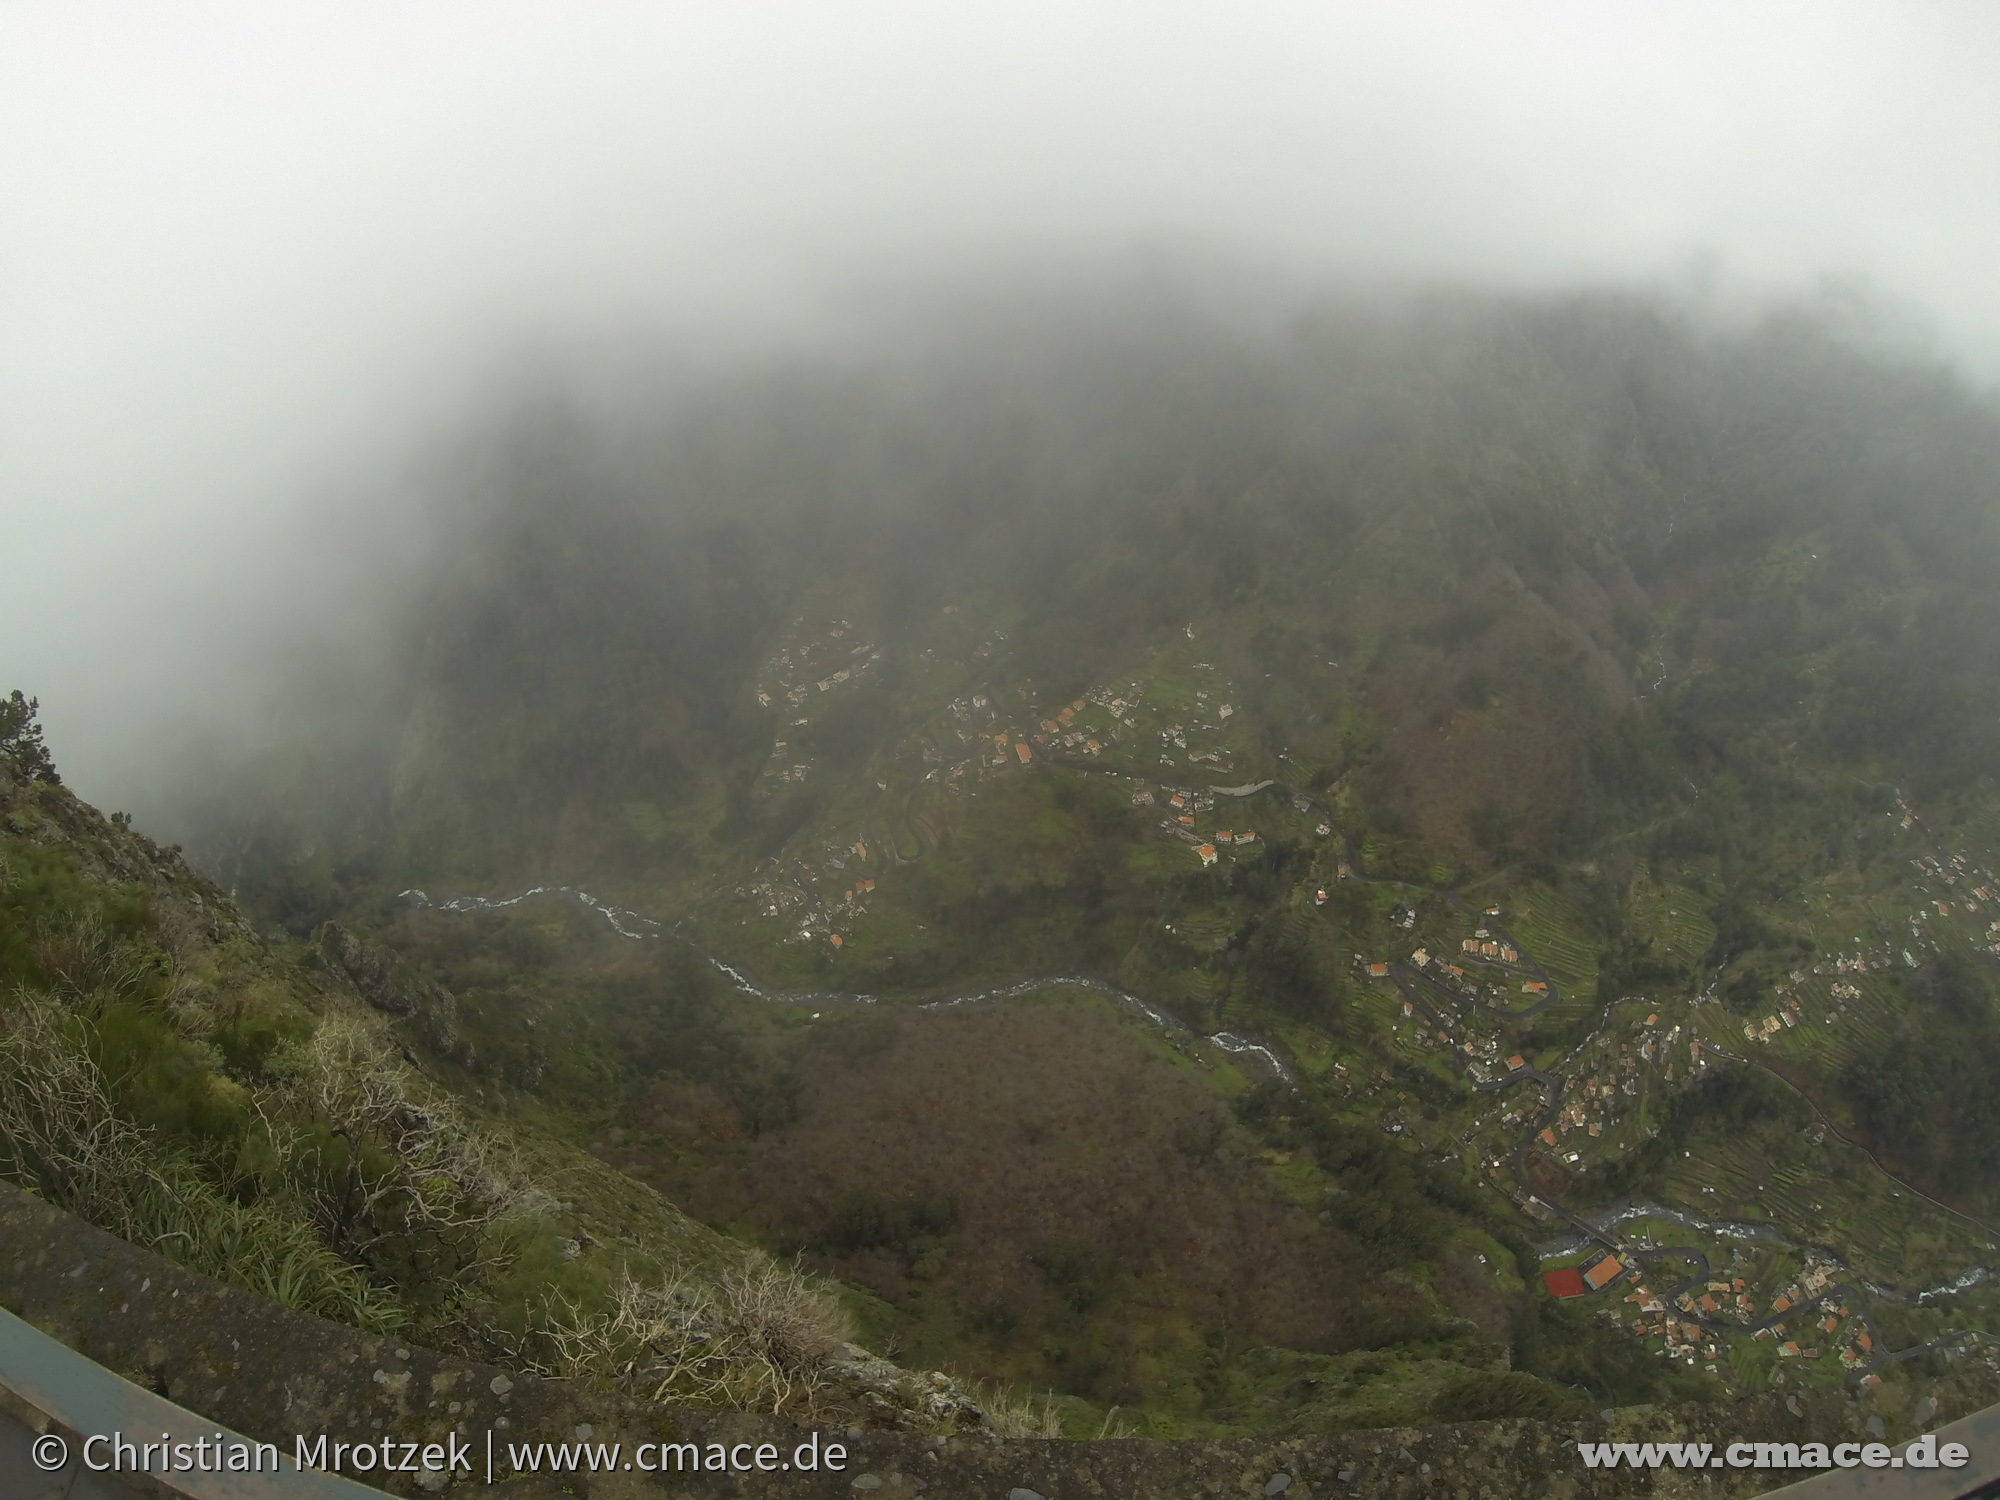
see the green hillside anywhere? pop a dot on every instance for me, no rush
(1400, 690)
(248, 1112)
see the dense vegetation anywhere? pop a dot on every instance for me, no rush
(1932, 1099)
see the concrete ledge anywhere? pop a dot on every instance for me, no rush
(268, 1373)
(83, 1403)
(1979, 1434)
(228, 1359)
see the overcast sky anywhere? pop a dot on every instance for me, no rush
(251, 255)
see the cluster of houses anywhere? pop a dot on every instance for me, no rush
(1794, 993)
(1481, 1055)
(1815, 1321)
(1482, 949)
(983, 738)
(1184, 804)
(1803, 1321)
(1788, 1015)
(1427, 1035)
(1966, 889)
(1060, 733)
(976, 740)
(982, 747)
(1683, 1339)
(1592, 1099)
(1175, 735)
(1953, 872)
(1686, 1329)
(794, 891)
(1120, 703)
(997, 743)
(1208, 853)
(1660, 1047)
(1435, 1022)
(794, 673)
(1955, 869)
(987, 742)
(778, 770)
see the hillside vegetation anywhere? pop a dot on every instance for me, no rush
(248, 1112)
(1560, 733)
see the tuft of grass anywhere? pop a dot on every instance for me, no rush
(61, 1136)
(1016, 1416)
(761, 1337)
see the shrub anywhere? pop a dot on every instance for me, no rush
(760, 1337)
(21, 740)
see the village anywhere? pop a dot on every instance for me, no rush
(1718, 1323)
(1771, 1308)
(1776, 1306)
(819, 887)
(1458, 995)
(795, 673)
(1601, 1101)
(813, 890)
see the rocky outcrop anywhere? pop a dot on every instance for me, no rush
(377, 975)
(391, 986)
(896, 1397)
(111, 851)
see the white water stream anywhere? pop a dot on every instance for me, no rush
(628, 924)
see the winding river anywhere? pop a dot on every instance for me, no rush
(1414, 984)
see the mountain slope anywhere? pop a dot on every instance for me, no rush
(1655, 662)
(249, 1113)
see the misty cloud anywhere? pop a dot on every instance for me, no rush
(254, 261)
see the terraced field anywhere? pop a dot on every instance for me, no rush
(1673, 917)
(1823, 1046)
(1552, 929)
(1831, 1196)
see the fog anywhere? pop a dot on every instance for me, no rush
(258, 263)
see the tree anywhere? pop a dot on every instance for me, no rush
(21, 740)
